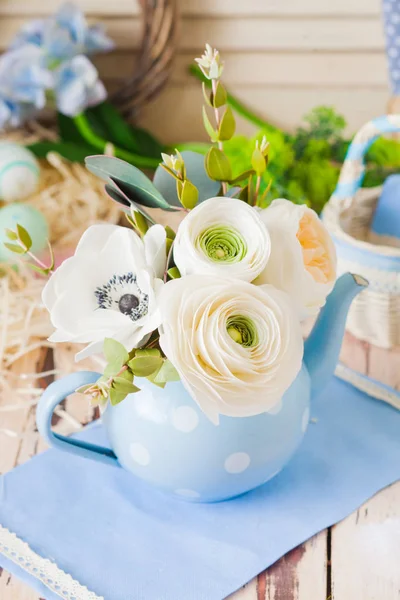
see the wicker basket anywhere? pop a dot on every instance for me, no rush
(375, 313)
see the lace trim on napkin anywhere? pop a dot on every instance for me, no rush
(59, 582)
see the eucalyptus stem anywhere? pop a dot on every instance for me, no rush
(98, 142)
(38, 261)
(236, 104)
(218, 121)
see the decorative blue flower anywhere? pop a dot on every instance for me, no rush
(77, 86)
(64, 35)
(23, 84)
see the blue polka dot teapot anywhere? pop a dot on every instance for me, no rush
(162, 437)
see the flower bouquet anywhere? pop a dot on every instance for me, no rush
(204, 321)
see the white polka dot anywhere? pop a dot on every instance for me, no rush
(140, 454)
(397, 40)
(187, 493)
(275, 409)
(185, 419)
(305, 420)
(395, 18)
(393, 52)
(390, 29)
(237, 462)
(396, 74)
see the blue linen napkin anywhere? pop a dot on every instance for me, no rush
(126, 541)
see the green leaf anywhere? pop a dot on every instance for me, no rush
(140, 222)
(170, 232)
(220, 98)
(15, 248)
(120, 384)
(24, 236)
(112, 368)
(11, 234)
(258, 162)
(84, 388)
(115, 352)
(147, 352)
(69, 133)
(148, 144)
(227, 126)
(143, 366)
(241, 177)
(118, 196)
(169, 171)
(134, 184)
(206, 95)
(208, 127)
(217, 165)
(116, 396)
(195, 172)
(70, 151)
(37, 269)
(174, 273)
(189, 195)
(166, 373)
(115, 128)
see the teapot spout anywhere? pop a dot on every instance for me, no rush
(322, 348)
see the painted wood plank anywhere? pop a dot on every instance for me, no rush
(365, 550)
(247, 33)
(364, 545)
(283, 106)
(299, 575)
(264, 69)
(226, 8)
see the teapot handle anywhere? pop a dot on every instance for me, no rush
(53, 395)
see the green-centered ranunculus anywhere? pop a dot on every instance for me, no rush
(223, 237)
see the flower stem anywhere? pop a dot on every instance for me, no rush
(37, 260)
(218, 120)
(98, 142)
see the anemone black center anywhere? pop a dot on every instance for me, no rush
(127, 303)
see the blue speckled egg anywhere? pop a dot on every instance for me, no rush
(30, 218)
(19, 172)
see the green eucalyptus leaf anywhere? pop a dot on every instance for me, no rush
(195, 172)
(217, 165)
(112, 368)
(140, 222)
(220, 98)
(206, 95)
(15, 248)
(166, 373)
(174, 273)
(208, 127)
(118, 196)
(170, 232)
(241, 177)
(115, 352)
(143, 366)
(38, 269)
(11, 234)
(84, 388)
(227, 126)
(24, 236)
(116, 396)
(147, 352)
(120, 384)
(258, 162)
(189, 195)
(134, 184)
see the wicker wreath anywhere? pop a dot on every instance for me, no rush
(153, 65)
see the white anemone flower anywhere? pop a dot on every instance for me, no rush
(224, 237)
(236, 346)
(108, 288)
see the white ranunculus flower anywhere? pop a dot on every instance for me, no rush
(303, 257)
(223, 237)
(108, 288)
(237, 346)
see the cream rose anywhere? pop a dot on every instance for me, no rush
(303, 258)
(237, 346)
(223, 237)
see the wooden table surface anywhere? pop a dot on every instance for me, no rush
(358, 559)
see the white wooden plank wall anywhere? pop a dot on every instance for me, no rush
(282, 56)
